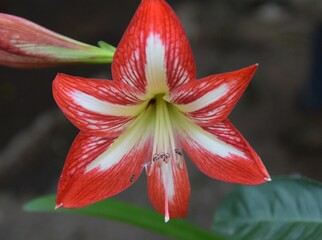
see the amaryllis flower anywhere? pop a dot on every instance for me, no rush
(28, 45)
(149, 117)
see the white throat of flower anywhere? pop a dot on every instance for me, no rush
(166, 149)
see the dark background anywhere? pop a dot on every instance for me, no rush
(274, 114)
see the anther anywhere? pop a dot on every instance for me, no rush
(155, 157)
(179, 152)
(164, 157)
(179, 158)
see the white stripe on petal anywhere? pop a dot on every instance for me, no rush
(212, 143)
(115, 153)
(155, 69)
(208, 141)
(205, 100)
(102, 107)
(134, 138)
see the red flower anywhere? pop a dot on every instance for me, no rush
(27, 45)
(144, 119)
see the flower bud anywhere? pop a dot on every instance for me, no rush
(27, 45)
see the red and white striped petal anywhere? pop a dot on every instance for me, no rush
(97, 168)
(154, 54)
(221, 152)
(98, 107)
(211, 99)
(169, 188)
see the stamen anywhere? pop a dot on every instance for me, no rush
(165, 151)
(164, 157)
(155, 157)
(179, 152)
(179, 158)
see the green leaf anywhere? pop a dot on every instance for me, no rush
(127, 213)
(286, 208)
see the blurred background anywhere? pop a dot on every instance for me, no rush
(280, 114)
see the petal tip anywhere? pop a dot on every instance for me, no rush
(166, 219)
(58, 78)
(253, 67)
(60, 75)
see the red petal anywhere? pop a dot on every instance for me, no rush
(154, 53)
(169, 189)
(211, 99)
(84, 181)
(225, 154)
(98, 107)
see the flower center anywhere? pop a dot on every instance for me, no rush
(165, 146)
(166, 153)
